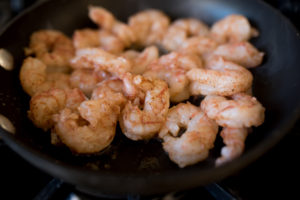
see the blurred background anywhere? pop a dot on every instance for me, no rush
(273, 176)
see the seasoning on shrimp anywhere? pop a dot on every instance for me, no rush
(142, 118)
(220, 77)
(89, 130)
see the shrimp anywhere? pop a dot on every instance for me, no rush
(142, 118)
(34, 77)
(234, 139)
(242, 53)
(181, 30)
(101, 17)
(53, 48)
(194, 144)
(140, 61)
(172, 68)
(240, 111)
(112, 90)
(45, 104)
(94, 38)
(98, 59)
(108, 22)
(220, 77)
(87, 79)
(233, 28)
(89, 130)
(149, 26)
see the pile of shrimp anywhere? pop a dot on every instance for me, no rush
(82, 87)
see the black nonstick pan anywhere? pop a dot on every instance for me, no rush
(128, 167)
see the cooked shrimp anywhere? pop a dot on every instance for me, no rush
(86, 80)
(140, 61)
(53, 48)
(234, 139)
(101, 17)
(233, 28)
(199, 45)
(107, 21)
(194, 144)
(172, 68)
(98, 59)
(181, 30)
(220, 77)
(149, 26)
(89, 131)
(112, 90)
(34, 77)
(240, 111)
(143, 118)
(45, 104)
(242, 53)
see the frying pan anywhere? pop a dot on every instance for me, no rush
(128, 167)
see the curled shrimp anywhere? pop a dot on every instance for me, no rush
(220, 77)
(234, 139)
(181, 30)
(233, 28)
(149, 26)
(172, 68)
(142, 118)
(45, 104)
(112, 90)
(107, 21)
(53, 48)
(239, 111)
(141, 60)
(194, 144)
(97, 38)
(34, 77)
(87, 79)
(89, 130)
(242, 53)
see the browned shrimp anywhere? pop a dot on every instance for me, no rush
(89, 130)
(45, 104)
(53, 48)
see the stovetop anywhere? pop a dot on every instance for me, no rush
(273, 176)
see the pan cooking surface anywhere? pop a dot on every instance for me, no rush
(128, 166)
